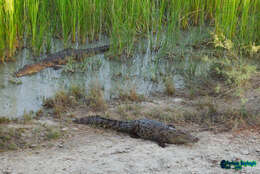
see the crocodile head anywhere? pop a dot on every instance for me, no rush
(29, 70)
(175, 136)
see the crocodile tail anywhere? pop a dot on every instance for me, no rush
(95, 50)
(122, 126)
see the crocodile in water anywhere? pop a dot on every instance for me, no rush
(143, 128)
(60, 58)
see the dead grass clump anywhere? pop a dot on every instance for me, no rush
(206, 113)
(10, 138)
(160, 114)
(60, 102)
(209, 116)
(16, 135)
(241, 118)
(95, 98)
(77, 91)
(169, 86)
(130, 95)
(126, 111)
(41, 133)
(39, 113)
(52, 133)
(28, 117)
(4, 120)
(64, 100)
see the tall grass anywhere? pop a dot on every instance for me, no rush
(2, 34)
(8, 28)
(33, 13)
(123, 21)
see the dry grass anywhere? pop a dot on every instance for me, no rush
(52, 133)
(169, 86)
(130, 95)
(14, 136)
(64, 100)
(160, 114)
(60, 102)
(129, 111)
(4, 120)
(95, 98)
(10, 138)
(212, 115)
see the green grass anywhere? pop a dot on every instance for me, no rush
(52, 133)
(123, 22)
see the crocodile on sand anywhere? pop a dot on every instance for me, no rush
(143, 128)
(60, 58)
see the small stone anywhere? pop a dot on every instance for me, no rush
(244, 152)
(64, 129)
(68, 114)
(33, 146)
(235, 159)
(257, 152)
(177, 100)
(213, 161)
(60, 145)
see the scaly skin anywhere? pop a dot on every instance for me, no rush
(60, 58)
(144, 128)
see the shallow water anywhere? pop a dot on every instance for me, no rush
(144, 71)
(139, 72)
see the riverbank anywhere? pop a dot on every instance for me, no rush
(51, 143)
(95, 151)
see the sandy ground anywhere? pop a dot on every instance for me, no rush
(88, 150)
(95, 151)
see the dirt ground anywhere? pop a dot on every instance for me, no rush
(88, 150)
(94, 151)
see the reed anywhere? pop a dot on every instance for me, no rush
(2, 33)
(63, 6)
(124, 22)
(8, 27)
(33, 13)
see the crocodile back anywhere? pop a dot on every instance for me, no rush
(151, 129)
(160, 132)
(122, 126)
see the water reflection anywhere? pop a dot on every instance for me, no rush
(137, 72)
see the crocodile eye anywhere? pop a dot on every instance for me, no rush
(172, 128)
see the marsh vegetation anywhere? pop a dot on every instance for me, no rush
(33, 23)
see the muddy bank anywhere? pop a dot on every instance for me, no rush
(63, 147)
(94, 151)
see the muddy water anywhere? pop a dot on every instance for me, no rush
(144, 72)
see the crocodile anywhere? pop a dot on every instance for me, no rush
(144, 128)
(59, 58)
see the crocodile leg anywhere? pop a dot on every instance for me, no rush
(161, 144)
(57, 67)
(134, 135)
